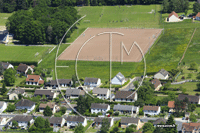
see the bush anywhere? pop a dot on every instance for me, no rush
(116, 113)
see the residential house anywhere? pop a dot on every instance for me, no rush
(192, 99)
(173, 17)
(6, 65)
(151, 110)
(62, 82)
(74, 93)
(51, 105)
(162, 74)
(99, 107)
(13, 93)
(73, 121)
(119, 79)
(34, 80)
(48, 93)
(3, 106)
(197, 16)
(22, 120)
(23, 68)
(157, 84)
(25, 104)
(171, 106)
(190, 127)
(92, 82)
(127, 121)
(55, 121)
(4, 37)
(158, 121)
(123, 109)
(69, 109)
(125, 96)
(101, 93)
(98, 121)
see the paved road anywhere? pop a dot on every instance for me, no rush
(131, 86)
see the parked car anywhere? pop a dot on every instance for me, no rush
(183, 118)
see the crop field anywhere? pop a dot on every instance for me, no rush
(22, 53)
(3, 18)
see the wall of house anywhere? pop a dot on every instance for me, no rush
(100, 110)
(160, 76)
(93, 84)
(173, 19)
(198, 18)
(116, 81)
(158, 87)
(25, 107)
(152, 112)
(3, 107)
(31, 83)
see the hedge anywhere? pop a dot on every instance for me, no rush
(26, 90)
(29, 86)
(5, 100)
(16, 63)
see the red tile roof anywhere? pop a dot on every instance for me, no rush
(34, 78)
(190, 126)
(173, 13)
(171, 104)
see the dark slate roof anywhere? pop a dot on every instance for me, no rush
(190, 98)
(70, 92)
(99, 119)
(54, 120)
(94, 80)
(130, 120)
(44, 92)
(99, 106)
(17, 91)
(100, 91)
(154, 108)
(125, 94)
(60, 81)
(22, 67)
(163, 72)
(25, 102)
(24, 118)
(75, 119)
(5, 65)
(2, 36)
(124, 107)
(159, 120)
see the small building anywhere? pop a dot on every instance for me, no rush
(23, 68)
(34, 80)
(48, 93)
(198, 16)
(126, 109)
(158, 121)
(69, 109)
(92, 82)
(127, 121)
(162, 74)
(151, 110)
(119, 79)
(74, 93)
(98, 121)
(25, 104)
(73, 121)
(190, 127)
(22, 120)
(62, 82)
(125, 96)
(51, 105)
(3, 106)
(173, 17)
(171, 106)
(55, 121)
(4, 37)
(192, 99)
(101, 93)
(13, 93)
(99, 107)
(157, 84)
(6, 65)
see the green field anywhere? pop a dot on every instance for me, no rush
(3, 18)
(22, 53)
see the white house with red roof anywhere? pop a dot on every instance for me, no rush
(34, 80)
(198, 16)
(173, 17)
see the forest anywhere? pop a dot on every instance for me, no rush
(175, 5)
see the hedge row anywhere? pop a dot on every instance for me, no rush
(5, 100)
(29, 86)
(16, 63)
(26, 90)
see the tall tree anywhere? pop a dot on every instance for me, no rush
(81, 105)
(9, 77)
(14, 123)
(148, 127)
(39, 122)
(105, 126)
(171, 121)
(47, 123)
(79, 128)
(3, 89)
(47, 111)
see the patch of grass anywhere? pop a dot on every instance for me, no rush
(88, 124)
(4, 17)
(91, 129)
(186, 73)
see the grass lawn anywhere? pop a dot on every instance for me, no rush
(197, 110)
(91, 129)
(22, 53)
(186, 72)
(18, 80)
(4, 17)
(190, 87)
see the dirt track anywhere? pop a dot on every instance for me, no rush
(97, 49)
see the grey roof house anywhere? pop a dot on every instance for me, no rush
(98, 121)
(191, 98)
(125, 96)
(55, 121)
(74, 93)
(127, 121)
(158, 121)
(25, 104)
(62, 83)
(22, 120)
(126, 109)
(6, 65)
(92, 82)
(99, 107)
(101, 93)
(48, 93)
(72, 121)
(119, 79)
(162, 74)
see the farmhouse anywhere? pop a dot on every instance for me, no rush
(22, 120)
(173, 17)
(198, 16)
(25, 104)
(125, 96)
(171, 106)
(162, 74)
(98, 121)
(119, 79)
(192, 99)
(101, 93)
(99, 108)
(3, 106)
(13, 93)
(48, 93)
(34, 80)
(151, 110)
(157, 84)
(127, 121)
(62, 82)
(92, 82)
(190, 127)
(73, 121)
(74, 93)
(55, 121)
(51, 105)
(23, 68)
(123, 109)
(158, 121)
(6, 65)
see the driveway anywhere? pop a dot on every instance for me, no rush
(131, 86)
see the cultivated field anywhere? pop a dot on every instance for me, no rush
(97, 49)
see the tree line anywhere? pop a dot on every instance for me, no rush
(175, 5)
(42, 24)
